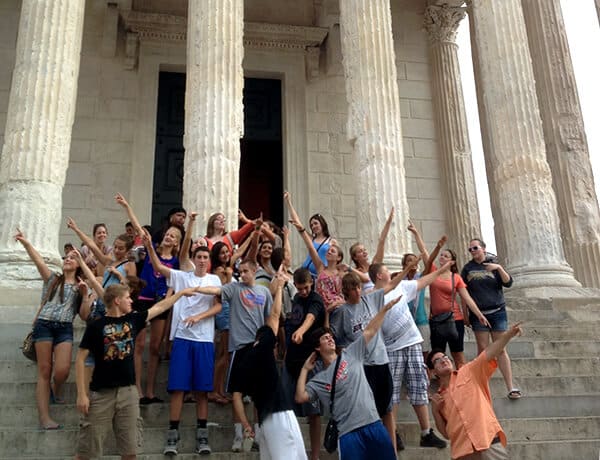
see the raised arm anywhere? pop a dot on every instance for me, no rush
(288, 201)
(314, 255)
(86, 300)
(273, 319)
(375, 323)
(103, 259)
(240, 251)
(440, 244)
(89, 275)
(156, 263)
(120, 199)
(35, 256)
(495, 348)
(419, 240)
(378, 257)
(168, 302)
(426, 280)
(397, 279)
(184, 253)
(287, 252)
(253, 248)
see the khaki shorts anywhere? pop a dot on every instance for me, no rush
(116, 408)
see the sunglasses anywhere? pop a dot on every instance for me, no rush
(474, 248)
(440, 359)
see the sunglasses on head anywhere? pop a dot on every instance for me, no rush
(474, 248)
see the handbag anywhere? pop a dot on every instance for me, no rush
(443, 325)
(28, 348)
(330, 440)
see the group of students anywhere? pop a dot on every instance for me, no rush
(355, 327)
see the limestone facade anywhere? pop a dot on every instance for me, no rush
(126, 44)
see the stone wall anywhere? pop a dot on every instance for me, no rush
(106, 121)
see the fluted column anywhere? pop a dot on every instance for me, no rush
(37, 139)
(598, 9)
(460, 196)
(213, 107)
(521, 180)
(374, 121)
(566, 142)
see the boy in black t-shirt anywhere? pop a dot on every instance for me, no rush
(113, 398)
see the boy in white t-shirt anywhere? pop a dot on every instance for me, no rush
(192, 357)
(402, 341)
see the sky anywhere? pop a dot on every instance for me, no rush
(583, 34)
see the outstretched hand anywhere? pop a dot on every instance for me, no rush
(309, 364)
(20, 236)
(71, 223)
(120, 199)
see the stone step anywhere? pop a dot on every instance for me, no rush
(565, 348)
(557, 450)
(25, 371)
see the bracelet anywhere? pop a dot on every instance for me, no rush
(302, 230)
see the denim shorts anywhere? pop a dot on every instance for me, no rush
(498, 320)
(222, 318)
(52, 331)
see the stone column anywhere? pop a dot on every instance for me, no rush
(521, 180)
(374, 122)
(598, 9)
(460, 196)
(213, 107)
(566, 142)
(37, 140)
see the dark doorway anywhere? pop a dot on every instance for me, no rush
(261, 165)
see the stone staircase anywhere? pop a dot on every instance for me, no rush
(556, 364)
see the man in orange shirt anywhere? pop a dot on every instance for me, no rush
(462, 407)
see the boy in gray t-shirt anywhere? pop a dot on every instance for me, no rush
(361, 432)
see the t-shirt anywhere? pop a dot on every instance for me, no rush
(202, 331)
(249, 306)
(485, 287)
(354, 405)
(54, 309)
(399, 328)
(348, 322)
(156, 284)
(111, 341)
(265, 384)
(441, 296)
(296, 354)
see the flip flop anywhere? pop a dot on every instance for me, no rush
(515, 393)
(51, 427)
(155, 400)
(55, 399)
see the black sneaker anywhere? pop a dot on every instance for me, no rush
(431, 440)
(399, 443)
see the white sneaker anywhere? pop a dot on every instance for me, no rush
(237, 444)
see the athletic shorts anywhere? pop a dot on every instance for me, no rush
(457, 345)
(408, 369)
(111, 408)
(52, 331)
(382, 386)
(237, 374)
(498, 320)
(369, 441)
(192, 366)
(280, 437)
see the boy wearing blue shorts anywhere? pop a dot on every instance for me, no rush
(193, 355)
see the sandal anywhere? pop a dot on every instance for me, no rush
(55, 399)
(51, 426)
(515, 393)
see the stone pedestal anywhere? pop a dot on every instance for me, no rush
(214, 114)
(460, 196)
(374, 126)
(521, 182)
(566, 143)
(37, 140)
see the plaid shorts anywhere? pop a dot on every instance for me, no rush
(407, 368)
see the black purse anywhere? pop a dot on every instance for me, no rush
(443, 325)
(330, 440)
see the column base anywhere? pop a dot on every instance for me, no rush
(547, 277)
(585, 260)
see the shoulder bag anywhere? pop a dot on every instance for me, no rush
(330, 440)
(443, 325)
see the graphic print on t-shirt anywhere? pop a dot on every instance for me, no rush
(118, 341)
(251, 299)
(342, 374)
(480, 275)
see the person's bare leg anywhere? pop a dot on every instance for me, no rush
(157, 329)
(389, 422)
(422, 412)
(138, 356)
(175, 405)
(42, 390)
(459, 359)
(504, 364)
(62, 366)
(314, 425)
(201, 404)
(483, 340)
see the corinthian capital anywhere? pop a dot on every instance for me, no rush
(441, 22)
